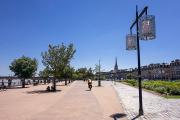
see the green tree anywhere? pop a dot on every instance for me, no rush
(45, 74)
(90, 73)
(82, 73)
(75, 75)
(67, 73)
(57, 58)
(130, 76)
(24, 68)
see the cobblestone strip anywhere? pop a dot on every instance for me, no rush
(155, 107)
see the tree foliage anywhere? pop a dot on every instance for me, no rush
(90, 73)
(67, 72)
(84, 73)
(57, 58)
(45, 73)
(130, 76)
(24, 67)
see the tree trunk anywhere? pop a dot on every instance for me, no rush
(54, 84)
(33, 81)
(23, 82)
(65, 81)
(9, 82)
(44, 81)
(69, 81)
(48, 81)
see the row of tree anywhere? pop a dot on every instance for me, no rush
(70, 73)
(57, 65)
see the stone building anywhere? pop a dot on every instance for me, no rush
(158, 71)
(175, 69)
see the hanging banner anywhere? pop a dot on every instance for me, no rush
(147, 27)
(131, 42)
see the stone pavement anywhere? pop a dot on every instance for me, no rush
(73, 102)
(155, 107)
(109, 102)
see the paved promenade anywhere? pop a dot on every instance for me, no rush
(155, 107)
(72, 102)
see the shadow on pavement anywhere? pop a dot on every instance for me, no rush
(18, 87)
(62, 85)
(136, 117)
(98, 86)
(117, 116)
(41, 91)
(88, 90)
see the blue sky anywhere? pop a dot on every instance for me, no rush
(97, 28)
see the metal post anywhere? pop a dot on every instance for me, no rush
(99, 81)
(114, 75)
(139, 66)
(136, 22)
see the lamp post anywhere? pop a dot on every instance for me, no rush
(145, 30)
(114, 74)
(99, 80)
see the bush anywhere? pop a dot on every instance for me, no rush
(131, 82)
(163, 87)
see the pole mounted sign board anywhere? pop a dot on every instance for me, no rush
(147, 27)
(131, 42)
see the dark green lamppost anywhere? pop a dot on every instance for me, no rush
(145, 30)
(99, 80)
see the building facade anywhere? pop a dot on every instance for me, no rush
(159, 71)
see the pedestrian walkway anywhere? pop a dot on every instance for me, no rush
(155, 107)
(109, 102)
(73, 102)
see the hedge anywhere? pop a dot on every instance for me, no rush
(163, 87)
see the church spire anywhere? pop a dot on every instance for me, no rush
(116, 66)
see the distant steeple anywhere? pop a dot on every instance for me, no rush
(116, 66)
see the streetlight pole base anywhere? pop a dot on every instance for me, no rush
(99, 83)
(141, 112)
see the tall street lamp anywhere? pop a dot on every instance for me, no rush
(145, 30)
(99, 80)
(114, 74)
